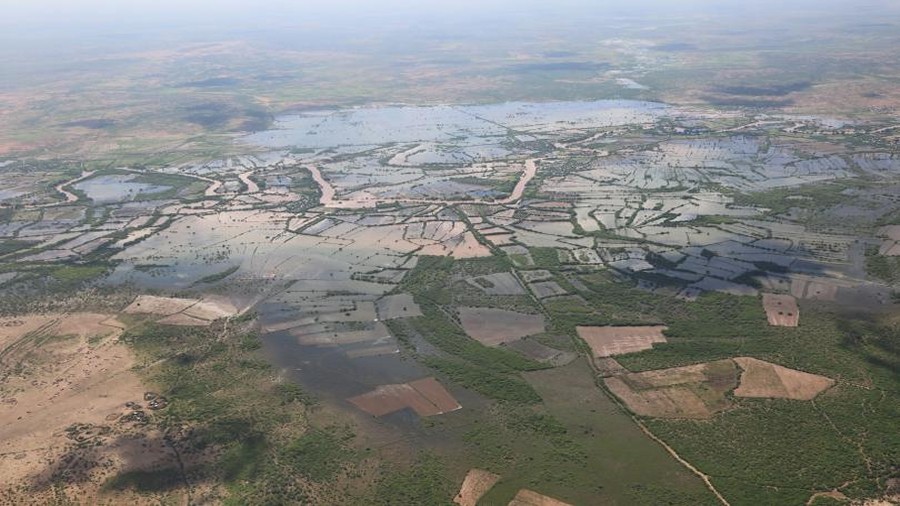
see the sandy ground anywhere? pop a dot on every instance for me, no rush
(527, 497)
(477, 483)
(764, 379)
(781, 310)
(493, 327)
(610, 341)
(49, 385)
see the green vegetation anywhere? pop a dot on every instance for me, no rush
(219, 276)
(819, 444)
(545, 257)
(425, 482)
(812, 196)
(882, 267)
(71, 274)
(270, 449)
(12, 246)
(492, 372)
(496, 385)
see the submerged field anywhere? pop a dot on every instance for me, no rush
(570, 297)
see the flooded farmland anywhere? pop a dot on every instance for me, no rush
(332, 234)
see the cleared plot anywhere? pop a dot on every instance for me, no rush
(544, 289)
(151, 304)
(501, 283)
(469, 247)
(781, 310)
(527, 497)
(475, 485)
(401, 305)
(764, 379)
(891, 246)
(436, 394)
(493, 327)
(694, 391)
(426, 397)
(610, 341)
(186, 312)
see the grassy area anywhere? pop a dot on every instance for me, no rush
(577, 446)
(77, 273)
(843, 436)
(493, 372)
(882, 267)
(811, 196)
(268, 447)
(218, 276)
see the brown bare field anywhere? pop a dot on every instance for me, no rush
(474, 486)
(781, 310)
(427, 397)
(151, 304)
(891, 246)
(469, 247)
(694, 391)
(764, 379)
(610, 341)
(527, 497)
(436, 394)
(52, 384)
(493, 327)
(185, 312)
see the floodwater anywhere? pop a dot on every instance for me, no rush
(116, 188)
(443, 124)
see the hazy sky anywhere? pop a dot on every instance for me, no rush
(62, 11)
(43, 25)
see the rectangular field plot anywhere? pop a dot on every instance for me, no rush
(610, 341)
(501, 283)
(426, 397)
(493, 327)
(781, 310)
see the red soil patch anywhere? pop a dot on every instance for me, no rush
(436, 394)
(426, 397)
